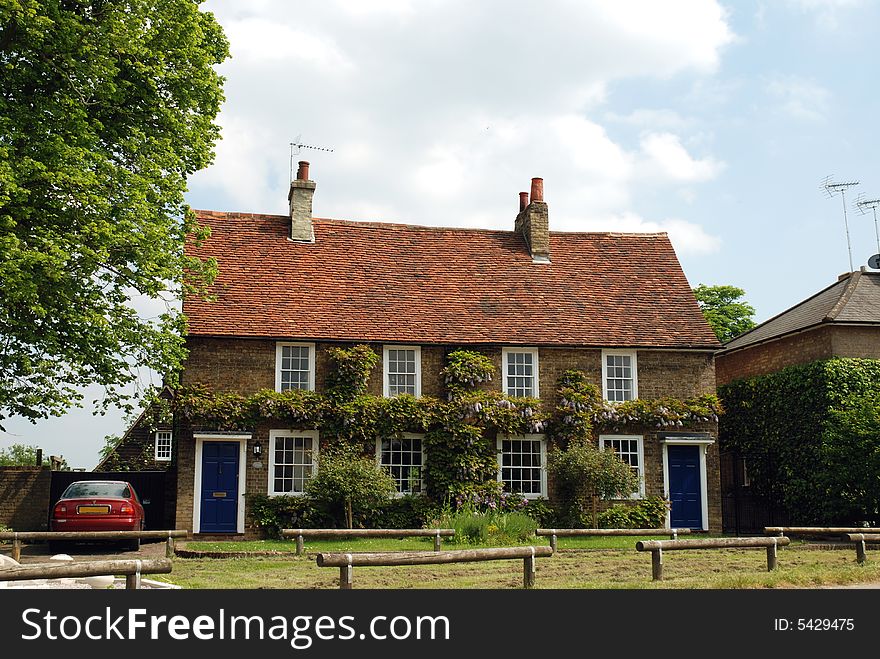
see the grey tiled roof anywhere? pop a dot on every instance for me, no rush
(853, 299)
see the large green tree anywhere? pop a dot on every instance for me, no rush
(106, 107)
(727, 314)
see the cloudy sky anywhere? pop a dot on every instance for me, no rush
(713, 121)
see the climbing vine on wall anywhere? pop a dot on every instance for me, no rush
(459, 432)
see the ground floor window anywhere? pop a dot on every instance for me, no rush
(522, 465)
(404, 459)
(292, 460)
(629, 449)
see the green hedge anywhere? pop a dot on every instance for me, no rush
(810, 437)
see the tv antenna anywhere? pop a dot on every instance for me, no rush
(297, 146)
(832, 188)
(863, 205)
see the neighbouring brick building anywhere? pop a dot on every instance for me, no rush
(842, 320)
(616, 306)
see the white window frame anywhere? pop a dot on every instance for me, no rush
(279, 346)
(160, 456)
(386, 385)
(505, 353)
(275, 434)
(607, 439)
(406, 435)
(635, 371)
(543, 443)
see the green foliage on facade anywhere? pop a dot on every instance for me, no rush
(810, 435)
(459, 433)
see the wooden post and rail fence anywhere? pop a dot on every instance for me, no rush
(20, 537)
(816, 530)
(860, 539)
(346, 562)
(301, 534)
(554, 534)
(656, 547)
(131, 568)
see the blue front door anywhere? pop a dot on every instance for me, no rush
(685, 487)
(219, 508)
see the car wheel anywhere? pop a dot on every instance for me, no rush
(55, 546)
(134, 545)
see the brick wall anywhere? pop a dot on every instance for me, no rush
(819, 343)
(24, 498)
(773, 356)
(245, 365)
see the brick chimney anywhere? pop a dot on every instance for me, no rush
(300, 198)
(533, 222)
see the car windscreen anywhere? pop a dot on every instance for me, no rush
(95, 489)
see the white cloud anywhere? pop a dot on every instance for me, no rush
(798, 98)
(439, 113)
(687, 237)
(666, 156)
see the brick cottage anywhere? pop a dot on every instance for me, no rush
(537, 303)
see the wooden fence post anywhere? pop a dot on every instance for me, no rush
(346, 575)
(553, 541)
(657, 564)
(861, 555)
(437, 541)
(16, 549)
(771, 557)
(300, 544)
(169, 547)
(529, 570)
(133, 581)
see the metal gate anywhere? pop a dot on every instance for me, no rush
(150, 486)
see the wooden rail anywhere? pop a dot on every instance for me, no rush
(132, 569)
(860, 539)
(345, 562)
(300, 534)
(19, 537)
(656, 548)
(816, 530)
(566, 533)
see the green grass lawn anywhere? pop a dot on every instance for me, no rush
(602, 563)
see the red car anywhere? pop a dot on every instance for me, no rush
(99, 506)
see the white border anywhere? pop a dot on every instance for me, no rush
(385, 383)
(404, 435)
(156, 445)
(278, 346)
(635, 370)
(532, 437)
(273, 435)
(242, 440)
(641, 454)
(704, 494)
(536, 393)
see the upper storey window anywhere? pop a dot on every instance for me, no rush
(403, 370)
(520, 369)
(619, 379)
(294, 366)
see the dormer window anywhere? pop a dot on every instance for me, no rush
(402, 370)
(619, 377)
(520, 371)
(294, 366)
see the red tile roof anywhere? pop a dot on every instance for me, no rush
(362, 281)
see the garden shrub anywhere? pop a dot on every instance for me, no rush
(473, 526)
(649, 513)
(809, 439)
(271, 514)
(413, 511)
(348, 486)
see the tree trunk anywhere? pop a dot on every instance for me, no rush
(595, 511)
(348, 515)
